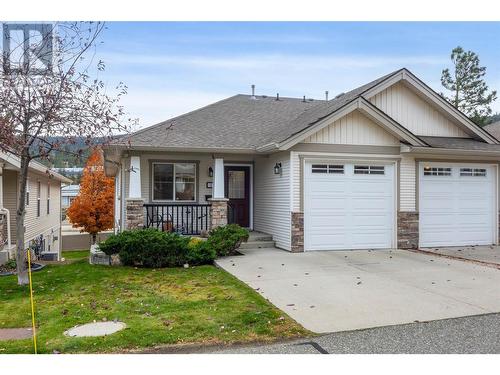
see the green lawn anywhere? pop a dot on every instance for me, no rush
(165, 306)
(77, 254)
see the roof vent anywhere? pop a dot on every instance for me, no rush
(253, 92)
(326, 95)
(304, 99)
(277, 96)
(339, 95)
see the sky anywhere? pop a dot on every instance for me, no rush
(171, 68)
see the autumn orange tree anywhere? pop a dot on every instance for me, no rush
(92, 209)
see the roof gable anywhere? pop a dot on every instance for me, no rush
(441, 104)
(416, 114)
(354, 129)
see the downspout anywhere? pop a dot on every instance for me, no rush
(3, 210)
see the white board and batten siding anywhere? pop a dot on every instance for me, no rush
(415, 114)
(353, 129)
(272, 205)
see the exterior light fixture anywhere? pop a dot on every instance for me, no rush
(210, 172)
(277, 168)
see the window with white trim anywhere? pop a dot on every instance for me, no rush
(327, 168)
(369, 169)
(437, 171)
(174, 182)
(473, 172)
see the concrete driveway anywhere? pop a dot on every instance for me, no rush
(488, 255)
(346, 290)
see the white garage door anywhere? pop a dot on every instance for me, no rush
(348, 205)
(456, 204)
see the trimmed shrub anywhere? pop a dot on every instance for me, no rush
(199, 252)
(225, 240)
(153, 248)
(148, 248)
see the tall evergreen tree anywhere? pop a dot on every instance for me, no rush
(468, 90)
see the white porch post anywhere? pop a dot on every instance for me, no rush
(218, 208)
(218, 188)
(134, 210)
(134, 187)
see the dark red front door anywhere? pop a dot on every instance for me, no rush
(237, 189)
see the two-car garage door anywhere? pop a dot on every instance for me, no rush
(348, 205)
(351, 205)
(456, 204)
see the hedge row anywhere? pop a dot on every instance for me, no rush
(153, 248)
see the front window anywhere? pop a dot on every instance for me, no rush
(174, 181)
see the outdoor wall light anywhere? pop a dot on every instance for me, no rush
(210, 172)
(277, 168)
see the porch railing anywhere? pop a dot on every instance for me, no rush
(188, 219)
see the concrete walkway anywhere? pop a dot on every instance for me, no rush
(15, 333)
(335, 291)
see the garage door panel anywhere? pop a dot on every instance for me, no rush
(457, 210)
(348, 211)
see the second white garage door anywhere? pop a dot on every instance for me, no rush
(348, 205)
(456, 204)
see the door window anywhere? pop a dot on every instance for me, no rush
(236, 184)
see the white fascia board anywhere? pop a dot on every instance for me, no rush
(405, 149)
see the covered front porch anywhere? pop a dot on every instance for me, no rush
(188, 193)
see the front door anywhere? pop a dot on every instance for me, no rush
(237, 189)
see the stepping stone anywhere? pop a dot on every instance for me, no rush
(15, 334)
(95, 329)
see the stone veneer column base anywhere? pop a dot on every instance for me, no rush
(297, 232)
(134, 213)
(407, 230)
(218, 212)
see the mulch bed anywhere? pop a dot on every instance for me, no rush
(6, 271)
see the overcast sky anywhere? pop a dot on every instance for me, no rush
(171, 68)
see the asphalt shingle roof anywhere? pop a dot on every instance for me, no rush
(242, 122)
(459, 143)
(494, 129)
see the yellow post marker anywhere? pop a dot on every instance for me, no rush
(32, 302)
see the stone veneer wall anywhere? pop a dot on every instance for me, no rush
(297, 232)
(134, 213)
(218, 212)
(408, 230)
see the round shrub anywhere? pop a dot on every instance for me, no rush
(225, 240)
(200, 253)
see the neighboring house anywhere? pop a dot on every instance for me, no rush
(68, 194)
(43, 207)
(73, 173)
(389, 164)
